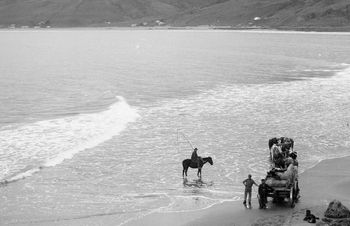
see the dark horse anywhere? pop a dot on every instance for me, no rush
(188, 163)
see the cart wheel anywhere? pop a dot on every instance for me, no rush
(296, 192)
(292, 197)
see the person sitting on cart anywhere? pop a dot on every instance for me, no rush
(285, 148)
(280, 161)
(263, 190)
(293, 155)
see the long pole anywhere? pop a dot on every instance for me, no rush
(188, 140)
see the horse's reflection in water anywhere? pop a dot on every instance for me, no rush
(197, 183)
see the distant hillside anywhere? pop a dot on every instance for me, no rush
(287, 14)
(283, 14)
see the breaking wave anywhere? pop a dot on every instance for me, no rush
(27, 149)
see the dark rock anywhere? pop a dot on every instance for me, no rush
(337, 210)
(337, 222)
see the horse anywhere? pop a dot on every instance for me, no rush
(188, 163)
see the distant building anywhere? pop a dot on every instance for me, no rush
(160, 22)
(142, 24)
(257, 18)
(43, 24)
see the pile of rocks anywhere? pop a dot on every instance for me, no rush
(336, 215)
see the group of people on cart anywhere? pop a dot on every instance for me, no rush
(282, 152)
(282, 179)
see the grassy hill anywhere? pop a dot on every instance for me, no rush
(283, 14)
(287, 14)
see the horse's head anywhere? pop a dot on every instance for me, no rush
(210, 160)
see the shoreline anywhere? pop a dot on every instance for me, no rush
(316, 30)
(319, 185)
(324, 182)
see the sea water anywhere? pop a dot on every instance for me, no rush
(96, 123)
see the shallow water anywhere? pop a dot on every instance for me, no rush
(93, 120)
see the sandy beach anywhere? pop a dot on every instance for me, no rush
(328, 180)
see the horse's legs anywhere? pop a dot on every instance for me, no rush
(199, 173)
(184, 171)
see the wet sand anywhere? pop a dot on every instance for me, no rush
(328, 180)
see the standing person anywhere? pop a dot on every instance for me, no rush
(264, 189)
(248, 183)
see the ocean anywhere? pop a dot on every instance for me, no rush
(96, 122)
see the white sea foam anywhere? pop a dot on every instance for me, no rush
(27, 149)
(345, 72)
(313, 111)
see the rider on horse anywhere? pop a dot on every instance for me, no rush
(196, 159)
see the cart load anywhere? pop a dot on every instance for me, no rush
(282, 177)
(273, 183)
